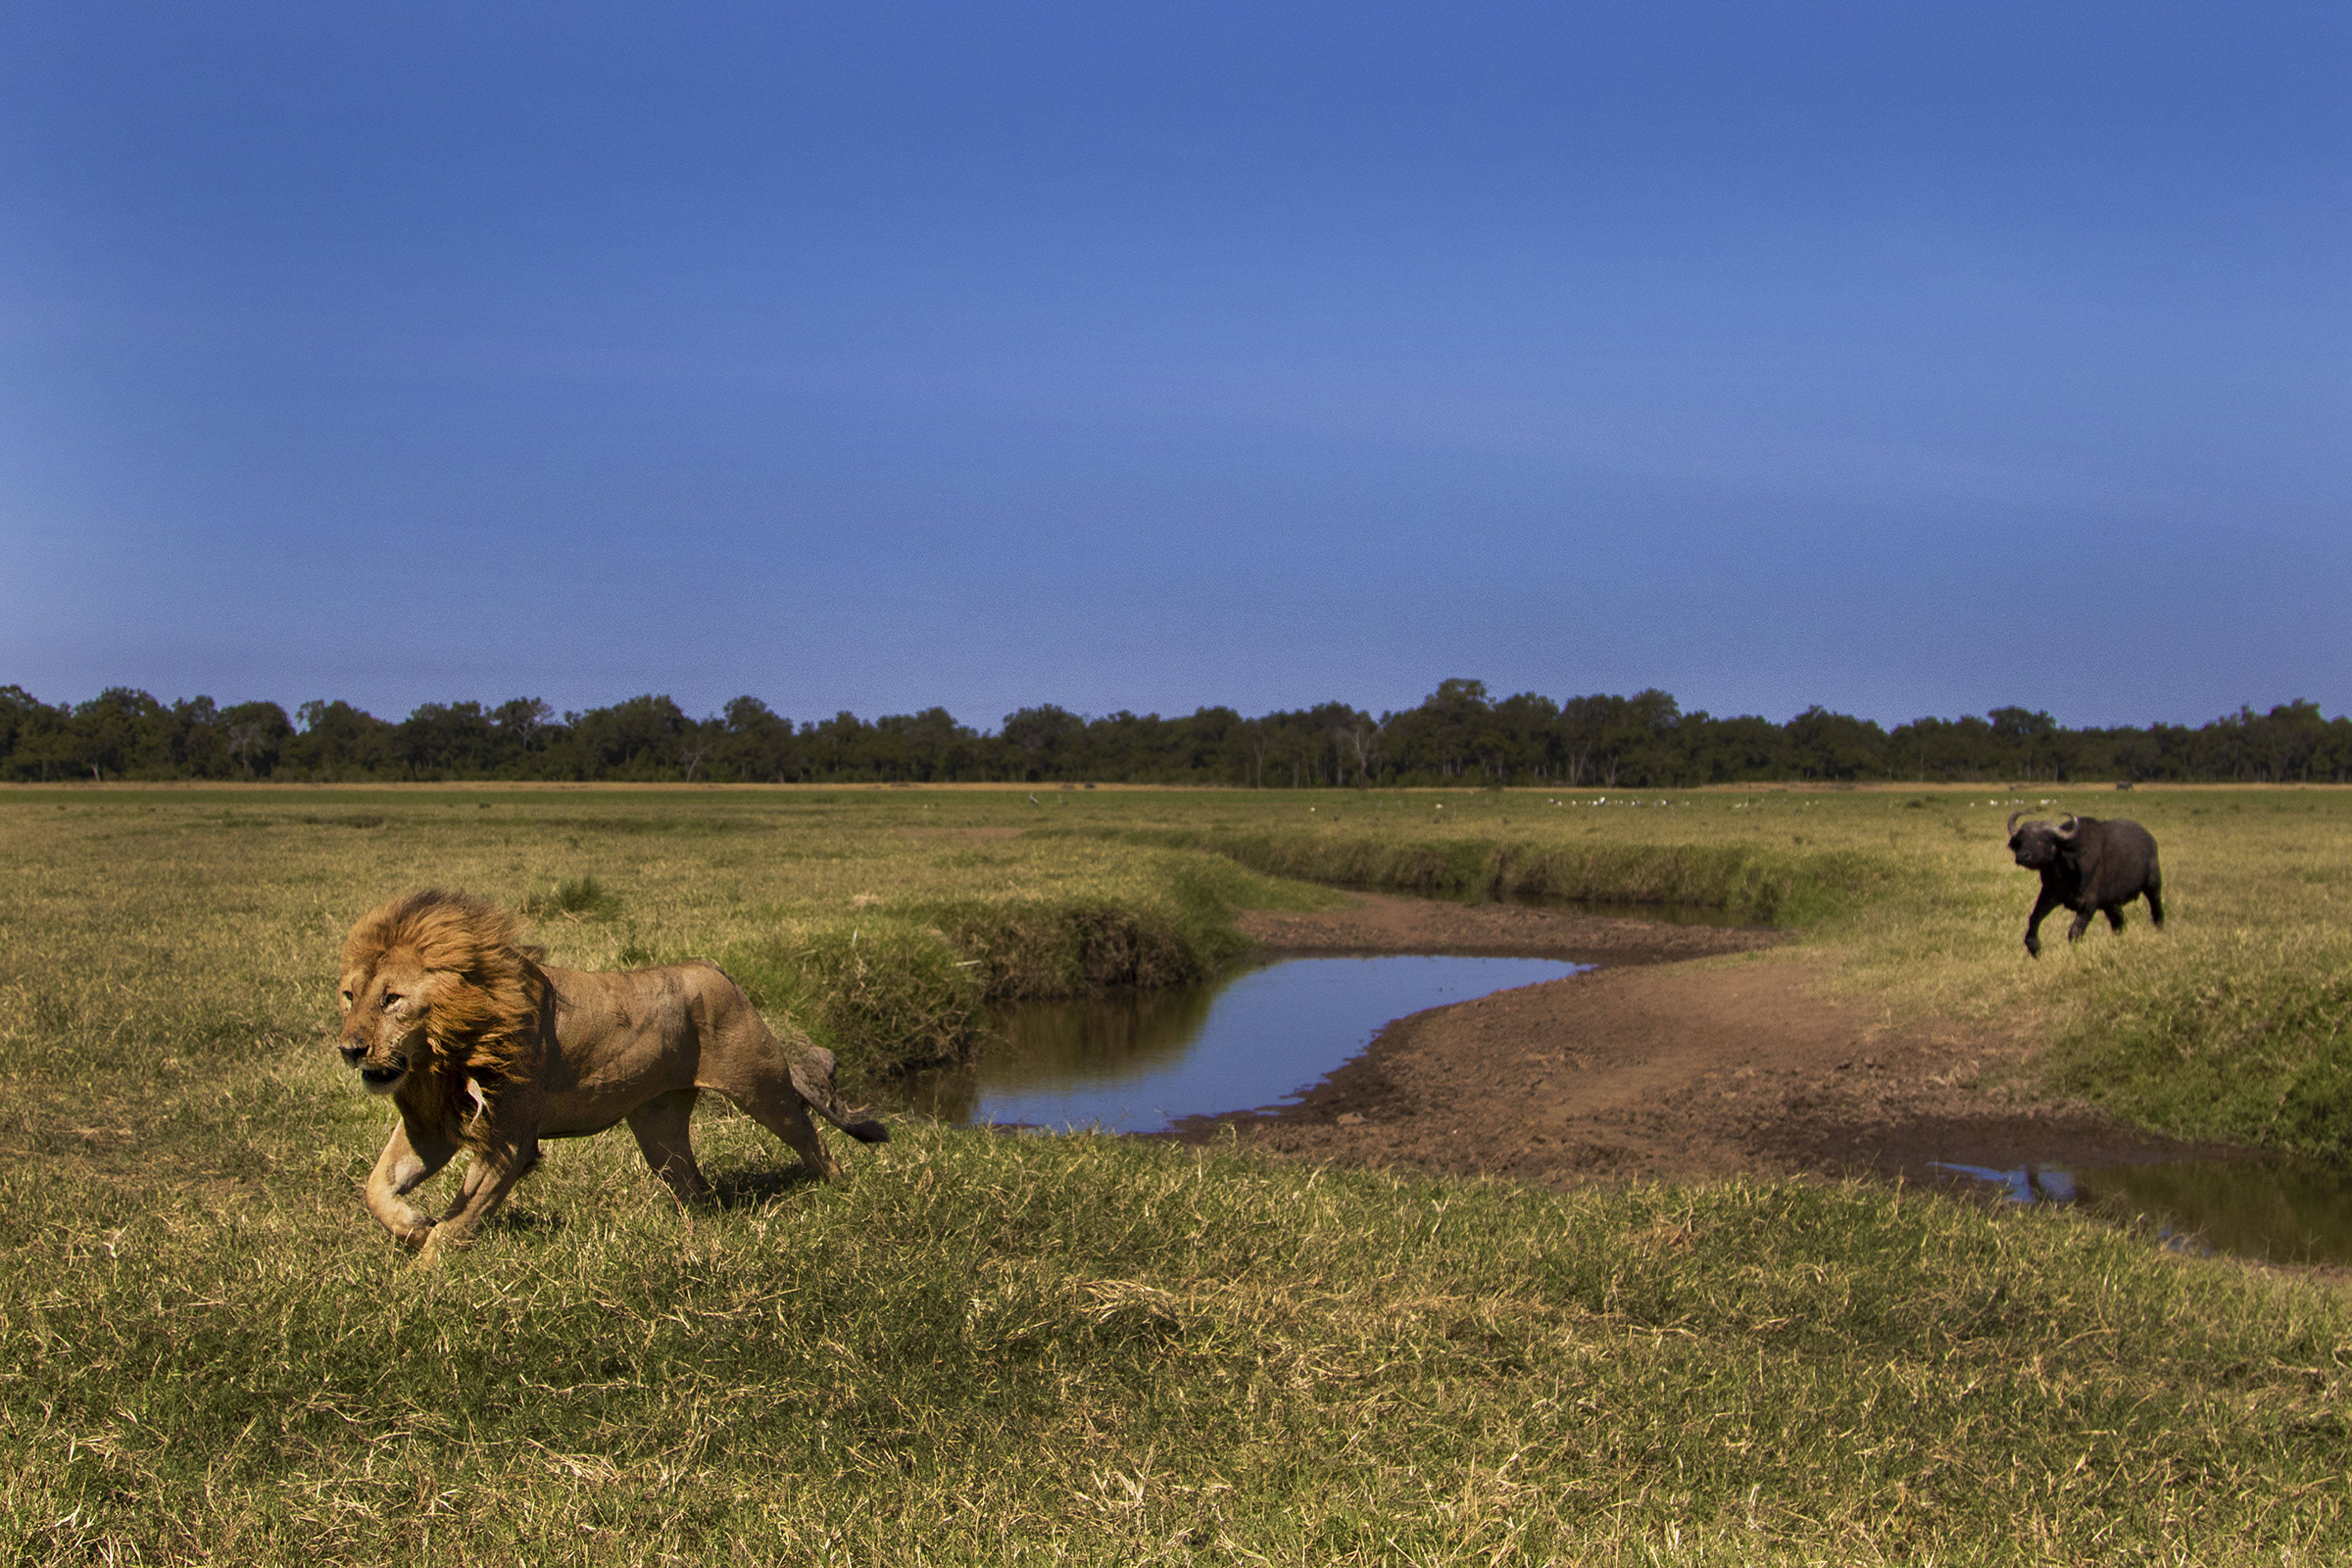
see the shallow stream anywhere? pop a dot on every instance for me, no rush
(1135, 1061)
(1260, 1038)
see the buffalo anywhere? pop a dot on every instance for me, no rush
(2090, 866)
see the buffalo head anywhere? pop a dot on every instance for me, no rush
(2038, 844)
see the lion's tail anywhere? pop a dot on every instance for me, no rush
(813, 1076)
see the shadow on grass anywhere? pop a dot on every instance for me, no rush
(752, 1185)
(526, 1222)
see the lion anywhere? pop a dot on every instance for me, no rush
(482, 1047)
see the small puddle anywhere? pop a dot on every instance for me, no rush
(1134, 1062)
(2277, 1211)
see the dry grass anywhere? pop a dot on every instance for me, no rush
(989, 1349)
(982, 1349)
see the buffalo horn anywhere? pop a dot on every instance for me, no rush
(2013, 821)
(2070, 827)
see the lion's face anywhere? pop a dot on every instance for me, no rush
(386, 1006)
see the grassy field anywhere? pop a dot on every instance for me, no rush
(2229, 1025)
(982, 1348)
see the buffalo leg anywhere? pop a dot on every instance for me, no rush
(2042, 907)
(2114, 914)
(663, 1127)
(2155, 907)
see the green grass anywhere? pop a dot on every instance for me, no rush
(996, 1349)
(575, 898)
(1760, 886)
(981, 1348)
(2229, 1025)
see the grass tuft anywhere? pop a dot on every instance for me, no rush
(574, 898)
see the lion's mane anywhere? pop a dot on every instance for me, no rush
(487, 987)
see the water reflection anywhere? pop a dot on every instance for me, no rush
(2276, 1210)
(2287, 1213)
(1134, 1062)
(2027, 1184)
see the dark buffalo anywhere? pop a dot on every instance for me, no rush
(2089, 866)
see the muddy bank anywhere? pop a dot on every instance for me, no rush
(1657, 1067)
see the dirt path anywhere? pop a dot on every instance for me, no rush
(1654, 1067)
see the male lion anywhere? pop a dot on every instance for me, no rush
(482, 1047)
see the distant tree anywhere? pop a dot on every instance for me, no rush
(1608, 738)
(520, 726)
(1214, 743)
(448, 740)
(1299, 741)
(338, 741)
(1322, 736)
(195, 741)
(35, 739)
(1459, 732)
(1440, 739)
(1520, 738)
(1825, 745)
(698, 741)
(255, 734)
(2287, 739)
(2024, 742)
(637, 739)
(1732, 750)
(1046, 737)
(928, 746)
(757, 744)
(1940, 748)
(1358, 737)
(118, 732)
(1655, 719)
(1123, 747)
(839, 748)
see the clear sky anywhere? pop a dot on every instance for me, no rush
(1905, 358)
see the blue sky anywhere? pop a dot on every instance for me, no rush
(1905, 358)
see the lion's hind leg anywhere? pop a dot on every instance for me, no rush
(664, 1128)
(767, 1096)
(742, 1060)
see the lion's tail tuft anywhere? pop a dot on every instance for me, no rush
(813, 1076)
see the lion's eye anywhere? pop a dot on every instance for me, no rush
(391, 999)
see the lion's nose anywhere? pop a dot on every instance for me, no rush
(351, 1053)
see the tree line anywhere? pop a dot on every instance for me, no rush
(1460, 734)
